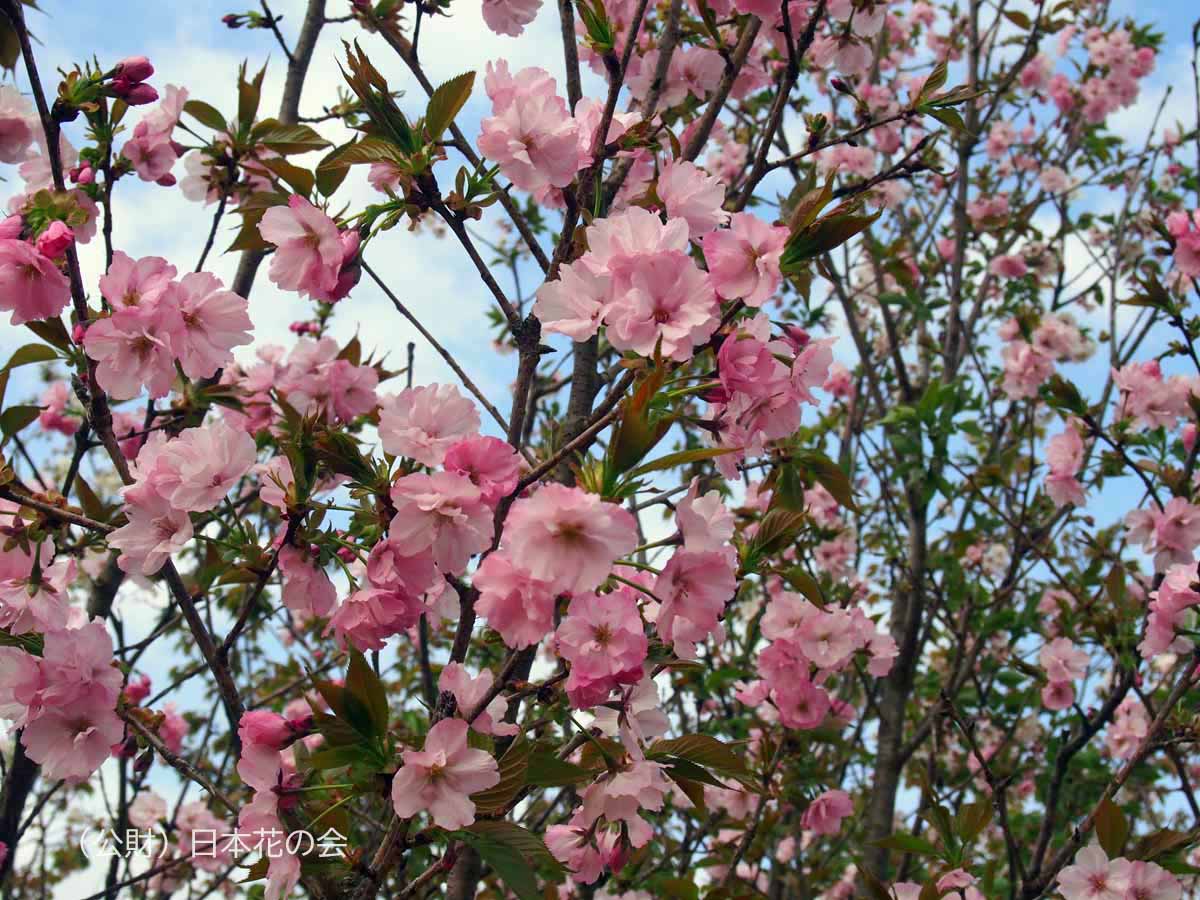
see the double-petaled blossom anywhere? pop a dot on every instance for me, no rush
(531, 134)
(567, 537)
(693, 588)
(509, 17)
(1063, 663)
(638, 280)
(153, 532)
(1186, 231)
(603, 639)
(1149, 399)
(17, 124)
(491, 464)
(307, 589)
(368, 617)
(1171, 532)
(214, 321)
(65, 700)
(687, 192)
(743, 260)
(440, 778)
(443, 513)
(151, 150)
(621, 796)
(518, 606)
(308, 247)
(422, 423)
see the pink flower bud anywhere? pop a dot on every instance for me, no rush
(54, 241)
(167, 180)
(138, 690)
(77, 334)
(135, 68)
(135, 94)
(1189, 436)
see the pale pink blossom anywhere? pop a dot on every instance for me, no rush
(567, 537)
(214, 322)
(469, 692)
(308, 246)
(509, 17)
(824, 815)
(1094, 877)
(602, 637)
(423, 422)
(443, 512)
(516, 605)
(1171, 533)
(440, 778)
(743, 261)
(31, 285)
(492, 465)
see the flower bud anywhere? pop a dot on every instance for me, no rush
(54, 241)
(135, 69)
(167, 180)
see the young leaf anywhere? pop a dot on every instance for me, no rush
(206, 115)
(446, 102)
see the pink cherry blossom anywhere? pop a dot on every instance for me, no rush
(133, 349)
(743, 261)
(469, 692)
(153, 533)
(573, 304)
(443, 512)
(824, 815)
(662, 301)
(568, 538)
(31, 285)
(693, 588)
(423, 422)
(491, 464)
(71, 740)
(689, 193)
(135, 283)
(308, 246)
(1094, 877)
(602, 637)
(440, 778)
(1171, 534)
(516, 605)
(214, 322)
(510, 16)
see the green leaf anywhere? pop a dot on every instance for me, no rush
(821, 237)
(947, 116)
(365, 686)
(446, 102)
(1160, 843)
(513, 852)
(28, 355)
(337, 757)
(1018, 18)
(702, 749)
(907, 843)
(934, 82)
(513, 767)
(15, 418)
(681, 458)
(206, 115)
(972, 818)
(832, 476)
(544, 769)
(288, 139)
(52, 331)
(330, 178)
(300, 180)
(249, 95)
(1112, 827)
(367, 150)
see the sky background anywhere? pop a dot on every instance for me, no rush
(189, 46)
